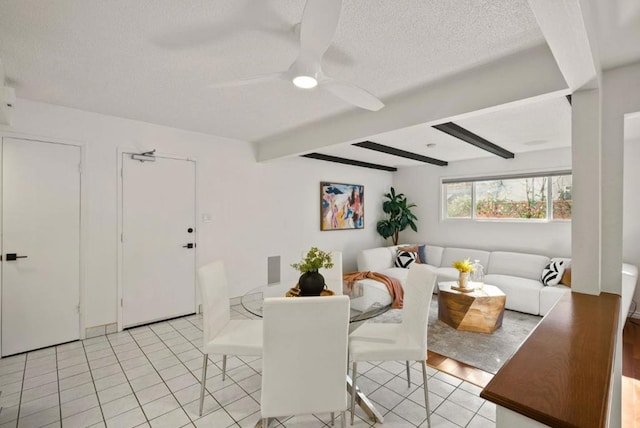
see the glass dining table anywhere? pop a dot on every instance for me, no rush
(365, 303)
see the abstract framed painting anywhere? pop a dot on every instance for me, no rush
(341, 206)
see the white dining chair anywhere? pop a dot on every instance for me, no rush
(304, 362)
(333, 276)
(396, 342)
(221, 334)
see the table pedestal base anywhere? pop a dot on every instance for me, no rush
(364, 403)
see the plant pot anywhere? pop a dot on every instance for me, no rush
(463, 279)
(311, 284)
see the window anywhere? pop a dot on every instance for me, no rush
(517, 197)
(561, 196)
(458, 200)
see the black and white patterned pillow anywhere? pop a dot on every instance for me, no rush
(552, 273)
(405, 258)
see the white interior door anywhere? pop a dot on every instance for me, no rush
(158, 267)
(40, 244)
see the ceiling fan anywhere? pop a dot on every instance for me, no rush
(319, 23)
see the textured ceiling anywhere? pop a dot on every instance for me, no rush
(617, 23)
(152, 60)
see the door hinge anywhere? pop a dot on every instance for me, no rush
(121, 174)
(78, 308)
(122, 237)
(80, 168)
(121, 302)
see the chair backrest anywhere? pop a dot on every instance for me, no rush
(304, 362)
(418, 292)
(215, 299)
(333, 276)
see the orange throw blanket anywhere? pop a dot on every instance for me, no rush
(393, 285)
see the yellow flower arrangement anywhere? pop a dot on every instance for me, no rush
(463, 265)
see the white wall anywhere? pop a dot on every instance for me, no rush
(259, 210)
(422, 186)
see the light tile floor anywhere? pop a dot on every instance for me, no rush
(149, 376)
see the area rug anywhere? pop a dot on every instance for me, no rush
(487, 352)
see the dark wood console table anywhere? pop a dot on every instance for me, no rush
(561, 375)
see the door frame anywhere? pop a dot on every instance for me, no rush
(121, 151)
(84, 191)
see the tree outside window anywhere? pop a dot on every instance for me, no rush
(521, 198)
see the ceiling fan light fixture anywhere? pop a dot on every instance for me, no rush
(305, 82)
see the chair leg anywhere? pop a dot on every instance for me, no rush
(426, 392)
(333, 417)
(343, 421)
(224, 366)
(265, 422)
(203, 381)
(354, 374)
(408, 376)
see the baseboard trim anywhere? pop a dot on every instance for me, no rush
(101, 330)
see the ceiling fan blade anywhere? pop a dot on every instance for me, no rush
(353, 94)
(247, 81)
(319, 23)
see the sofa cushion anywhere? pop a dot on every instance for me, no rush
(433, 255)
(517, 264)
(447, 274)
(549, 295)
(405, 258)
(450, 255)
(523, 294)
(552, 273)
(376, 259)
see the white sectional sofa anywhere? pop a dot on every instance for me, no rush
(516, 274)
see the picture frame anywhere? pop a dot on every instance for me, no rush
(341, 206)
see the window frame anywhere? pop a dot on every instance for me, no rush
(473, 180)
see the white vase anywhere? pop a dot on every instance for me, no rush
(463, 279)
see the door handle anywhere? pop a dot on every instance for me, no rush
(189, 245)
(13, 256)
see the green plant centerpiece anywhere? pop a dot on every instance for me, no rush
(399, 216)
(311, 282)
(465, 267)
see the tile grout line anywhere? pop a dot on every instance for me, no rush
(407, 397)
(93, 381)
(159, 375)
(182, 362)
(205, 381)
(58, 382)
(236, 383)
(167, 332)
(128, 381)
(24, 374)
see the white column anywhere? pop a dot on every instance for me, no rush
(586, 217)
(620, 96)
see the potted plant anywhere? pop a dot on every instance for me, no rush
(465, 268)
(311, 282)
(399, 215)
